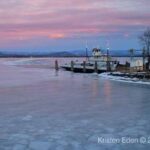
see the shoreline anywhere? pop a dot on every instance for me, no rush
(44, 64)
(121, 77)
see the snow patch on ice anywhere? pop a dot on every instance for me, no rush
(27, 118)
(19, 62)
(19, 136)
(123, 79)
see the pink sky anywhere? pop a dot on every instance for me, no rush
(34, 23)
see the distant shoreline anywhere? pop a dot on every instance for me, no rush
(39, 56)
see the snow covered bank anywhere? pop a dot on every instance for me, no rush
(124, 79)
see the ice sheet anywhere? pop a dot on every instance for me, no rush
(41, 109)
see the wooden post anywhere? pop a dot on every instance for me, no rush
(56, 65)
(95, 67)
(72, 66)
(84, 66)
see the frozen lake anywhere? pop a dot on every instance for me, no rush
(41, 109)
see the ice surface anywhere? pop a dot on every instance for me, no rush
(19, 147)
(38, 145)
(66, 111)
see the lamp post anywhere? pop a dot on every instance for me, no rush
(108, 61)
(86, 53)
(132, 65)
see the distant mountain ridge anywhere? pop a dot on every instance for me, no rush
(71, 53)
(37, 54)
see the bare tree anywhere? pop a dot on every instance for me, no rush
(145, 40)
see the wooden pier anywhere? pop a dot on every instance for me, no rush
(83, 67)
(88, 68)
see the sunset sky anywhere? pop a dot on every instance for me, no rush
(55, 25)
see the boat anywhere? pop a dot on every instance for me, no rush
(99, 63)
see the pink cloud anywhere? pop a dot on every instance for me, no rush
(27, 19)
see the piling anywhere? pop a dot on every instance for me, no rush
(84, 66)
(72, 66)
(56, 65)
(95, 67)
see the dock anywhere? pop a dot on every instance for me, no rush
(83, 68)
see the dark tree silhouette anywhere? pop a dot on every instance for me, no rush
(145, 40)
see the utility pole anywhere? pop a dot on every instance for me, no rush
(143, 53)
(148, 58)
